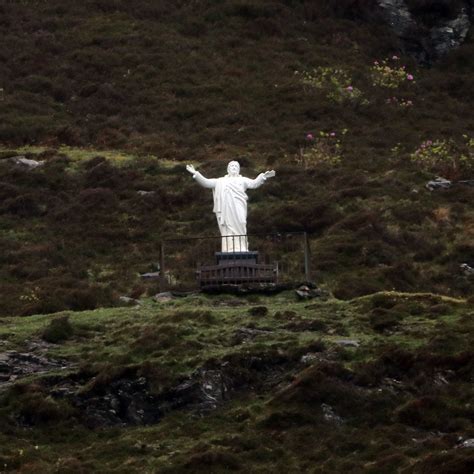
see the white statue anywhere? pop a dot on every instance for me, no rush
(230, 203)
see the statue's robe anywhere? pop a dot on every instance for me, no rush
(230, 207)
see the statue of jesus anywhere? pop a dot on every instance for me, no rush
(230, 203)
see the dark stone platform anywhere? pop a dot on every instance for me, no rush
(236, 268)
(223, 258)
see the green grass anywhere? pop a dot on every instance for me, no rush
(80, 155)
(254, 429)
(157, 84)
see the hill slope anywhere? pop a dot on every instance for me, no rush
(172, 82)
(211, 384)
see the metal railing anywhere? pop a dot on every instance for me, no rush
(182, 258)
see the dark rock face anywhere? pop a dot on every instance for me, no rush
(125, 402)
(205, 390)
(428, 37)
(14, 365)
(129, 401)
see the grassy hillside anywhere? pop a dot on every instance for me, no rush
(212, 384)
(172, 82)
(113, 98)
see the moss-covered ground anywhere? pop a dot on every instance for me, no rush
(381, 383)
(123, 96)
(115, 97)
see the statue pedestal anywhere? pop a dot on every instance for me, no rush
(236, 268)
(233, 258)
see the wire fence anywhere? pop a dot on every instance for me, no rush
(181, 259)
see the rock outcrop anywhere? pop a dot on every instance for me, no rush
(427, 42)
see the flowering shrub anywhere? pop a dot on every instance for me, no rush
(387, 73)
(445, 157)
(324, 149)
(404, 103)
(336, 82)
(31, 296)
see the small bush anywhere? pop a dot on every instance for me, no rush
(336, 84)
(322, 150)
(8, 191)
(382, 300)
(97, 199)
(206, 317)
(383, 319)
(34, 407)
(286, 315)
(26, 205)
(426, 412)
(306, 325)
(213, 460)
(454, 461)
(353, 285)
(58, 330)
(389, 74)
(446, 157)
(258, 311)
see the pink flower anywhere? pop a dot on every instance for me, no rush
(309, 137)
(395, 57)
(410, 77)
(429, 143)
(376, 63)
(350, 88)
(332, 134)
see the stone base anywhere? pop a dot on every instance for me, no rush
(237, 268)
(229, 258)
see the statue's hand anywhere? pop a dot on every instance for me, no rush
(191, 169)
(269, 174)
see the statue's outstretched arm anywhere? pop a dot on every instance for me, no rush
(260, 179)
(200, 179)
(269, 174)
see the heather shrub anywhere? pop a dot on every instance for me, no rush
(97, 199)
(38, 408)
(252, 11)
(37, 84)
(351, 285)
(26, 205)
(387, 73)
(258, 311)
(446, 157)
(58, 330)
(382, 300)
(8, 191)
(355, 10)
(322, 150)
(382, 319)
(428, 412)
(335, 82)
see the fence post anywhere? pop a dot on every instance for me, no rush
(162, 267)
(307, 270)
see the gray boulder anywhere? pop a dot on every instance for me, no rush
(438, 183)
(25, 162)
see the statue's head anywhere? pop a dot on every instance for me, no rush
(233, 168)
